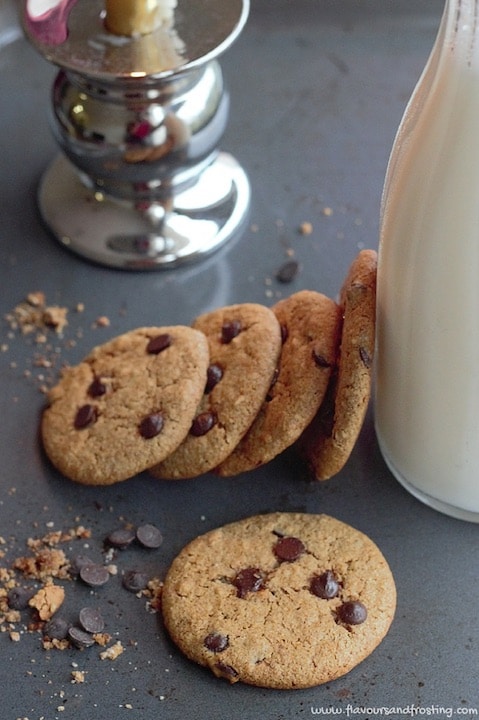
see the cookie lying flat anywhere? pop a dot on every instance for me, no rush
(328, 442)
(310, 324)
(244, 346)
(127, 405)
(283, 600)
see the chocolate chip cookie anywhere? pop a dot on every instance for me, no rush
(244, 347)
(328, 441)
(282, 600)
(127, 405)
(310, 327)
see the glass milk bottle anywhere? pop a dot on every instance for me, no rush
(427, 357)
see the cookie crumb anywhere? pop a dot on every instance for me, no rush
(48, 600)
(78, 676)
(113, 652)
(306, 228)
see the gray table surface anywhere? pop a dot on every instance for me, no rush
(318, 88)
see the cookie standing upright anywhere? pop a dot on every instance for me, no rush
(281, 600)
(244, 346)
(327, 443)
(127, 405)
(310, 324)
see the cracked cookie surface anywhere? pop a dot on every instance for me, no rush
(310, 325)
(328, 442)
(281, 600)
(127, 405)
(244, 345)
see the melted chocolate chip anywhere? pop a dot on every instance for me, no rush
(288, 549)
(121, 538)
(230, 330)
(78, 562)
(80, 639)
(352, 612)
(214, 375)
(365, 357)
(320, 360)
(97, 388)
(216, 642)
(325, 585)
(94, 575)
(151, 425)
(227, 671)
(288, 271)
(86, 415)
(18, 598)
(202, 423)
(159, 343)
(248, 580)
(91, 620)
(135, 580)
(149, 536)
(56, 628)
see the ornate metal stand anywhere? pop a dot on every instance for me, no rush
(141, 182)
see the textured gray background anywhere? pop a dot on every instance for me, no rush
(318, 88)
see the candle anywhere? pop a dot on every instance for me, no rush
(137, 17)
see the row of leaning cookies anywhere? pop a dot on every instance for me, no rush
(226, 394)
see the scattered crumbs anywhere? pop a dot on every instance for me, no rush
(14, 636)
(327, 211)
(306, 228)
(101, 322)
(113, 652)
(254, 228)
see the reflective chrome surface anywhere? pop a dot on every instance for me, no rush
(139, 122)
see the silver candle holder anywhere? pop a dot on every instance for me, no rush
(140, 182)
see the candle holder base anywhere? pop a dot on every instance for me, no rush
(147, 236)
(141, 182)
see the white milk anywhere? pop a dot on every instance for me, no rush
(427, 359)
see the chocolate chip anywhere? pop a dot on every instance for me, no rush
(149, 536)
(56, 628)
(159, 343)
(288, 549)
(216, 642)
(78, 562)
(203, 423)
(248, 580)
(135, 581)
(320, 360)
(121, 538)
(325, 585)
(214, 375)
(94, 575)
(18, 598)
(227, 671)
(230, 330)
(86, 415)
(151, 425)
(352, 612)
(91, 620)
(80, 638)
(366, 358)
(97, 388)
(288, 271)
